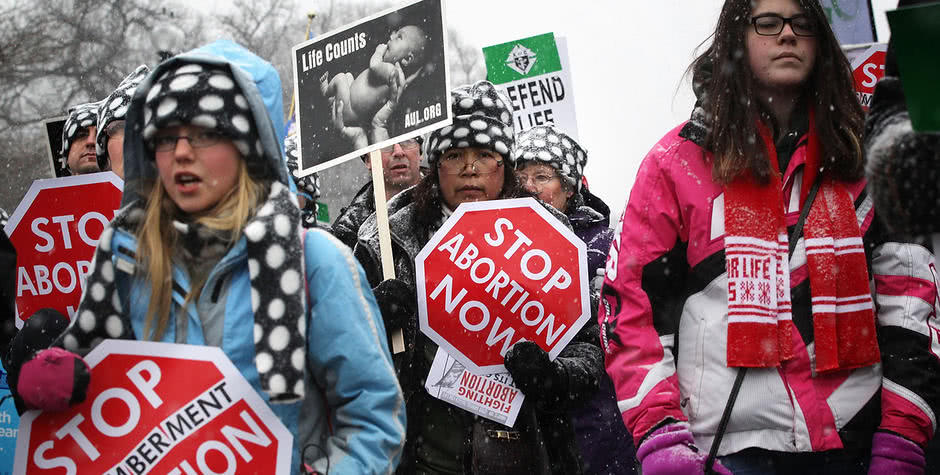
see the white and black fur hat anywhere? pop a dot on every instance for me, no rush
(196, 94)
(548, 145)
(482, 118)
(114, 107)
(80, 117)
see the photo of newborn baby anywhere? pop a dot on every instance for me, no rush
(363, 95)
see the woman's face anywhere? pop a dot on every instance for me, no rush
(116, 147)
(542, 181)
(780, 62)
(199, 169)
(470, 174)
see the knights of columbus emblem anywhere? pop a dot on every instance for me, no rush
(521, 59)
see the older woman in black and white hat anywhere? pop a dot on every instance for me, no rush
(550, 165)
(472, 160)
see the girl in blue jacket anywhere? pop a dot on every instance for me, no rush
(208, 249)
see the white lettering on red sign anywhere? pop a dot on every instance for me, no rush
(872, 73)
(534, 264)
(172, 431)
(37, 226)
(63, 278)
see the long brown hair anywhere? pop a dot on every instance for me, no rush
(157, 239)
(732, 110)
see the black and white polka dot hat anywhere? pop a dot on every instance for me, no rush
(198, 94)
(114, 107)
(309, 184)
(548, 145)
(80, 117)
(482, 118)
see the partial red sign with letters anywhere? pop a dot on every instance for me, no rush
(55, 229)
(157, 408)
(868, 67)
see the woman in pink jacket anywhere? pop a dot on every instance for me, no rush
(755, 317)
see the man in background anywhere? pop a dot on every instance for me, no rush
(401, 167)
(78, 139)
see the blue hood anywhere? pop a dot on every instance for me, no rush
(266, 77)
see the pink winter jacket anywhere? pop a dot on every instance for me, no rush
(664, 323)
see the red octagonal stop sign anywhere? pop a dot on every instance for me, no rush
(499, 272)
(157, 408)
(55, 229)
(867, 69)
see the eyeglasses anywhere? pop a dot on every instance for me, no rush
(407, 146)
(770, 24)
(455, 165)
(539, 179)
(115, 128)
(205, 138)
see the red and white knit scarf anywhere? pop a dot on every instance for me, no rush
(760, 322)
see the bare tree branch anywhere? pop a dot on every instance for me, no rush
(466, 60)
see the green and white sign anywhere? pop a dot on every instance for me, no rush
(525, 58)
(534, 73)
(323, 213)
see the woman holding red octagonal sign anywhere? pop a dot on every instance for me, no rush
(471, 160)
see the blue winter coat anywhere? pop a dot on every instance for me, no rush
(348, 365)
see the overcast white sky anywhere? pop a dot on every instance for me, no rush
(627, 60)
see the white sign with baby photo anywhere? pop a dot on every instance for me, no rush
(371, 84)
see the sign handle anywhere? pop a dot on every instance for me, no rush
(385, 236)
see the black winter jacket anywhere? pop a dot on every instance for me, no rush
(547, 429)
(903, 166)
(346, 226)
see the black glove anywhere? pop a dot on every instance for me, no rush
(544, 381)
(397, 303)
(37, 334)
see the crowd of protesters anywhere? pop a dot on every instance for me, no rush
(821, 362)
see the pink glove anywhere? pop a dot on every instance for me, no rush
(670, 450)
(53, 380)
(895, 455)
